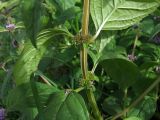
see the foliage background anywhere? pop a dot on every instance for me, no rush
(130, 57)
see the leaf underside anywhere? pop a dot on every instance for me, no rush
(120, 14)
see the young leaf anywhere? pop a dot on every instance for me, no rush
(119, 14)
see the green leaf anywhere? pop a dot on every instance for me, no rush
(29, 113)
(150, 64)
(30, 56)
(119, 14)
(145, 110)
(68, 14)
(66, 4)
(31, 12)
(6, 84)
(39, 73)
(122, 71)
(8, 4)
(139, 87)
(106, 48)
(133, 118)
(64, 56)
(155, 31)
(2, 29)
(27, 63)
(36, 96)
(112, 105)
(147, 27)
(66, 107)
(105, 39)
(22, 96)
(117, 52)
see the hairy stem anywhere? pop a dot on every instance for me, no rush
(83, 57)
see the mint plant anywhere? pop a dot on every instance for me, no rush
(79, 60)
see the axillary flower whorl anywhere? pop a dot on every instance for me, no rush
(79, 38)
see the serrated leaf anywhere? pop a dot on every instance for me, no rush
(27, 63)
(30, 56)
(119, 14)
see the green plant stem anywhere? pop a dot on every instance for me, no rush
(83, 52)
(83, 57)
(153, 85)
(85, 19)
(93, 104)
(125, 99)
(134, 46)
